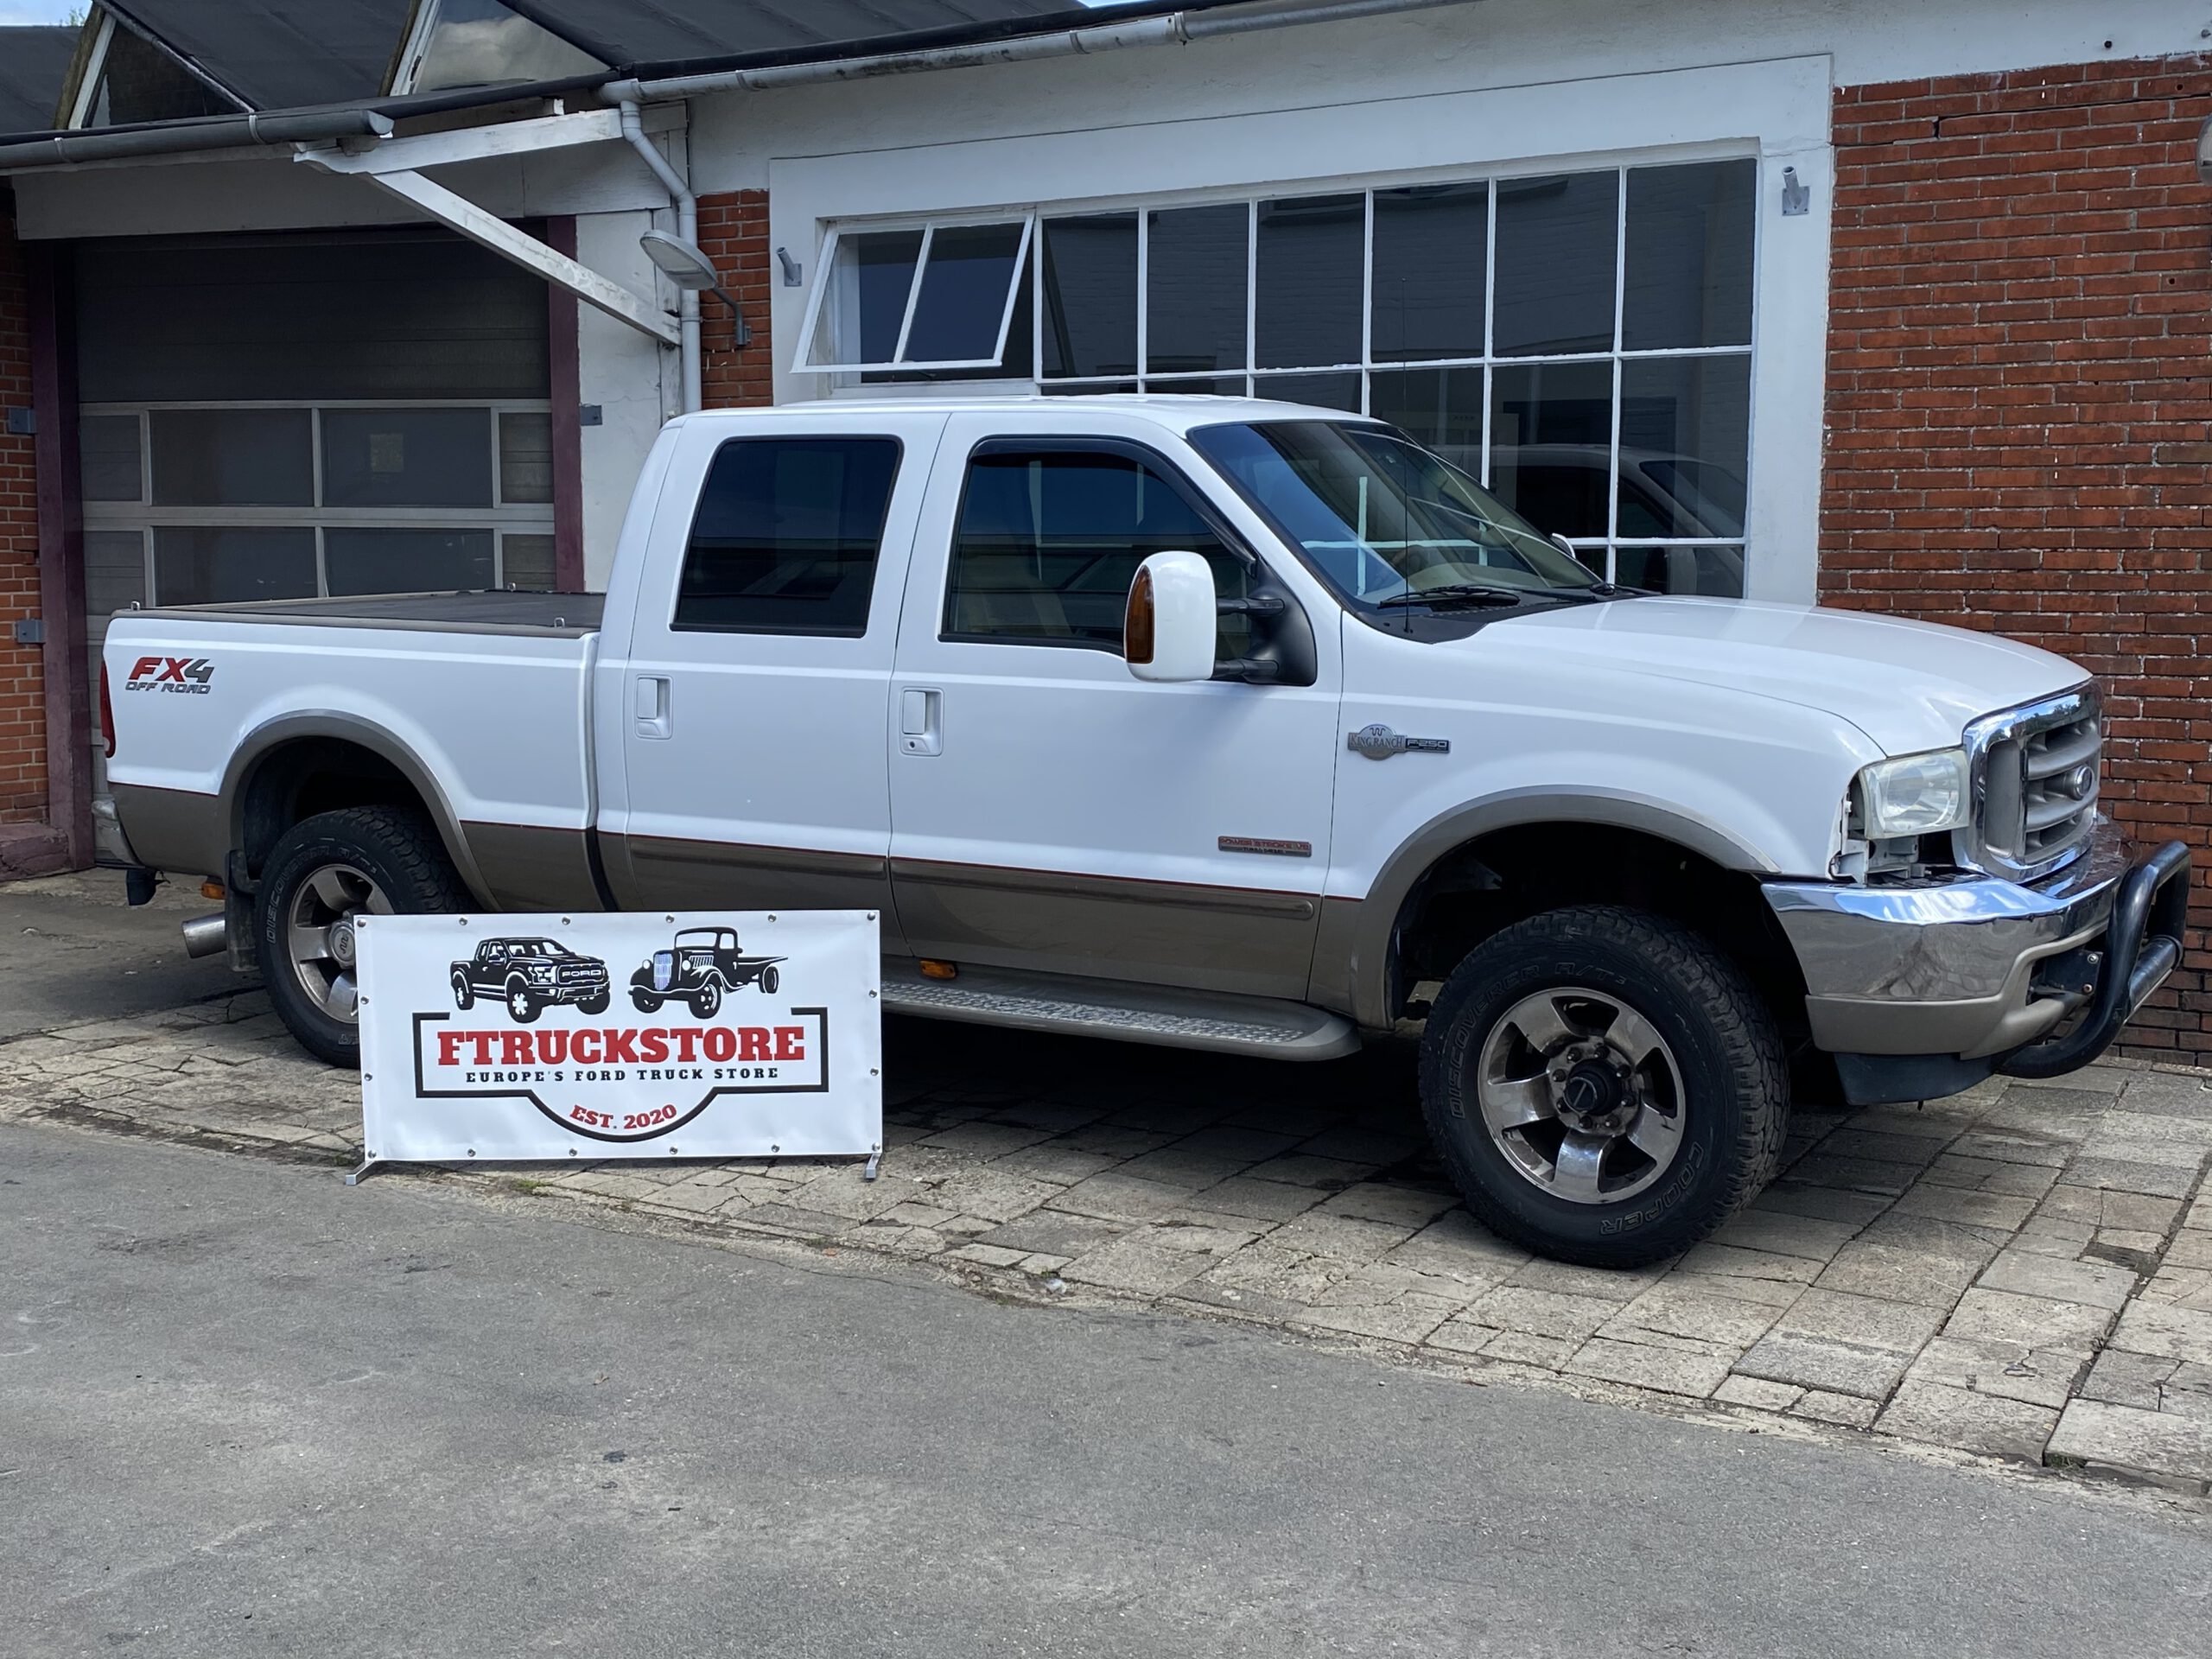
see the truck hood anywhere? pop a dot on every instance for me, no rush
(1909, 686)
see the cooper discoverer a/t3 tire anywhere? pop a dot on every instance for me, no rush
(1605, 1086)
(324, 872)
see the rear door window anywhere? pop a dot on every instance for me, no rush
(786, 536)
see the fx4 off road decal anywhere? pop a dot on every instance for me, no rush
(192, 677)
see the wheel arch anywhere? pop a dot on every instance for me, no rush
(301, 764)
(1535, 850)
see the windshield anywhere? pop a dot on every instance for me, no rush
(539, 948)
(1381, 518)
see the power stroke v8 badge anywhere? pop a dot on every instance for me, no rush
(541, 1037)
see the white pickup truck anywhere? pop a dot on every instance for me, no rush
(1207, 722)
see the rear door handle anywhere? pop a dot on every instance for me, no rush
(655, 719)
(921, 721)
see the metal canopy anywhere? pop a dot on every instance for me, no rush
(281, 54)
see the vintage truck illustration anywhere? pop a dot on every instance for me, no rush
(528, 975)
(698, 966)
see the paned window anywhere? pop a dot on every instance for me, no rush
(1580, 341)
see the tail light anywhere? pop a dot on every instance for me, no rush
(107, 716)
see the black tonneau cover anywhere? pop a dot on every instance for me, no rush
(566, 615)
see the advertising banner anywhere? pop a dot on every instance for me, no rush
(700, 1035)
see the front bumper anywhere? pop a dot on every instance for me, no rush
(1981, 969)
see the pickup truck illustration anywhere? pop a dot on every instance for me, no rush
(698, 966)
(1211, 723)
(530, 975)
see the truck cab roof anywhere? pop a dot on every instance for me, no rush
(1178, 412)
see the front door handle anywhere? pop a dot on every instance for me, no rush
(655, 718)
(921, 721)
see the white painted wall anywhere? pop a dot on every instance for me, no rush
(635, 381)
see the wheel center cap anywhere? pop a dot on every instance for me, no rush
(342, 943)
(1589, 1096)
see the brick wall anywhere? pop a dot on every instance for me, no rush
(22, 686)
(2019, 405)
(734, 230)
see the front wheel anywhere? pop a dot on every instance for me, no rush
(707, 1000)
(1605, 1087)
(523, 1007)
(595, 1003)
(644, 1001)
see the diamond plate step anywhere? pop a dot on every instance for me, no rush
(1135, 1013)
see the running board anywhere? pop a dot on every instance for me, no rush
(1135, 1014)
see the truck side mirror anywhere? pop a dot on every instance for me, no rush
(1169, 631)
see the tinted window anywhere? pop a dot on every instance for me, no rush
(1048, 543)
(787, 536)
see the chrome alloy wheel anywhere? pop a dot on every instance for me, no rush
(1581, 1095)
(319, 935)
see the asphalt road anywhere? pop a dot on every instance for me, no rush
(246, 1410)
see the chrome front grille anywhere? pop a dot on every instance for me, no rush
(2036, 773)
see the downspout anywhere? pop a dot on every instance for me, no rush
(687, 226)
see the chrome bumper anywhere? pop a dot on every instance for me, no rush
(1969, 968)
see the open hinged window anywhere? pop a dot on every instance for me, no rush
(935, 296)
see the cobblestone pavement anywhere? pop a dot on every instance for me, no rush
(2024, 1272)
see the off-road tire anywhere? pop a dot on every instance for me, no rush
(1736, 1081)
(396, 847)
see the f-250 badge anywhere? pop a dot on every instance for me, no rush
(1379, 742)
(193, 676)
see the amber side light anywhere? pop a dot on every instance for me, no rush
(211, 890)
(1136, 627)
(933, 968)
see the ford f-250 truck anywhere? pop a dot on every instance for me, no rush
(1207, 722)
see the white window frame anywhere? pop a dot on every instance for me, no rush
(825, 276)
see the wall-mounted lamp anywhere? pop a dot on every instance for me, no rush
(686, 265)
(1796, 196)
(794, 273)
(2205, 151)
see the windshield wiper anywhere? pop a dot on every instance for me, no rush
(1458, 593)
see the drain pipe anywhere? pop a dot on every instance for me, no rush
(1174, 28)
(687, 226)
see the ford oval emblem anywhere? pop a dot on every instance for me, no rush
(2080, 781)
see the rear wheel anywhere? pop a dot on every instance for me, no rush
(323, 875)
(770, 979)
(464, 994)
(1605, 1086)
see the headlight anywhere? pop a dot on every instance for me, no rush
(1913, 795)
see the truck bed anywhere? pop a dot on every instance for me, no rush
(562, 615)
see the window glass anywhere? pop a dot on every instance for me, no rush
(1556, 240)
(483, 44)
(1198, 385)
(1441, 407)
(406, 458)
(1090, 294)
(109, 462)
(1195, 283)
(525, 458)
(963, 295)
(1689, 256)
(1339, 390)
(1376, 515)
(411, 561)
(211, 564)
(1685, 438)
(232, 458)
(1021, 351)
(864, 303)
(1047, 543)
(1431, 265)
(1716, 572)
(1308, 282)
(115, 570)
(1551, 444)
(787, 534)
(140, 82)
(527, 563)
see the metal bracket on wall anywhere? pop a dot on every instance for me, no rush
(22, 422)
(30, 630)
(1796, 196)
